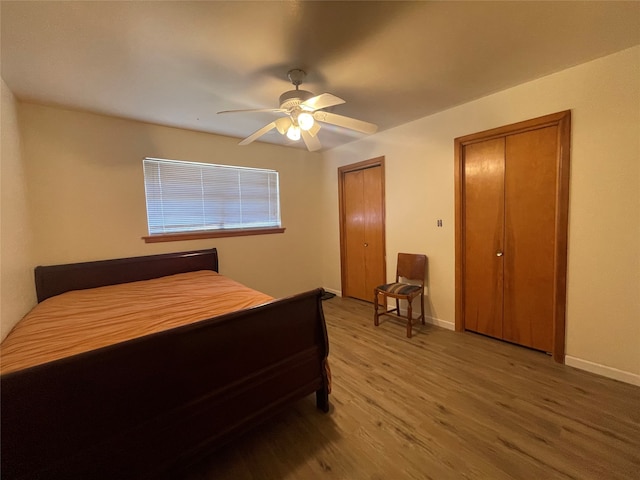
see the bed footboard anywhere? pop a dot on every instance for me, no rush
(148, 405)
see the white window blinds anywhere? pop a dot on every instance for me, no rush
(189, 197)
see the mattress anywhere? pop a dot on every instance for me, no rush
(83, 320)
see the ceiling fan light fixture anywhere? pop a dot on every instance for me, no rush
(293, 133)
(305, 121)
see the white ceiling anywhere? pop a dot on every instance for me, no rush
(177, 62)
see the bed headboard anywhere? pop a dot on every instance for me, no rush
(56, 279)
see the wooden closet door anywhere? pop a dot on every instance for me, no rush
(530, 287)
(530, 220)
(354, 235)
(484, 236)
(362, 232)
(373, 231)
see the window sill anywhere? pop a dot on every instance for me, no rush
(177, 237)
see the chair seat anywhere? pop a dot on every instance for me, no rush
(399, 288)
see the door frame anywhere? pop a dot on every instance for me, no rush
(563, 121)
(342, 171)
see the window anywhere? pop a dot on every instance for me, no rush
(201, 198)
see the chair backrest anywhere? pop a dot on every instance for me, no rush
(412, 267)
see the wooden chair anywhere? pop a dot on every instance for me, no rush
(409, 267)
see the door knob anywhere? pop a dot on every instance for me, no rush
(499, 253)
(366, 244)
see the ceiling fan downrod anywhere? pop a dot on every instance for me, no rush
(296, 76)
(291, 99)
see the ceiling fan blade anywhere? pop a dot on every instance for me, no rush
(283, 124)
(310, 141)
(346, 122)
(324, 100)
(254, 110)
(258, 133)
(313, 131)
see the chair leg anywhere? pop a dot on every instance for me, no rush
(375, 312)
(409, 318)
(397, 306)
(422, 307)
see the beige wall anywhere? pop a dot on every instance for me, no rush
(87, 195)
(603, 306)
(17, 294)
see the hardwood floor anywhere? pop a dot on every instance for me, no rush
(441, 405)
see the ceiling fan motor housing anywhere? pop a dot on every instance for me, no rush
(293, 98)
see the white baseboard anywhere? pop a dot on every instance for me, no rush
(603, 370)
(441, 323)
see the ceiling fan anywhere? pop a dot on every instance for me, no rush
(304, 113)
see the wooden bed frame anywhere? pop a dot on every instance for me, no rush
(146, 407)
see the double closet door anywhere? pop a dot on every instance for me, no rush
(513, 185)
